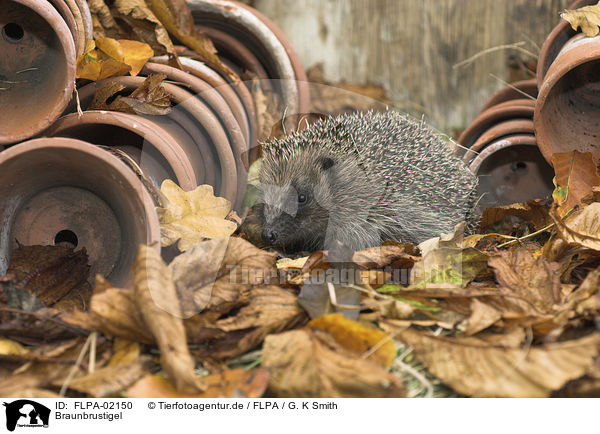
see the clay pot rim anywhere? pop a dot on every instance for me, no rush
(563, 30)
(238, 17)
(216, 103)
(562, 65)
(55, 20)
(499, 144)
(152, 222)
(203, 114)
(198, 87)
(499, 130)
(62, 8)
(502, 95)
(238, 90)
(158, 137)
(507, 110)
(225, 89)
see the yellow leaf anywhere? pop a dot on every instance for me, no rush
(355, 337)
(107, 57)
(190, 217)
(587, 17)
(135, 54)
(11, 348)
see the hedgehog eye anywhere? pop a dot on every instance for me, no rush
(302, 198)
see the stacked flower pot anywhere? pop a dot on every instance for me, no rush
(70, 176)
(510, 144)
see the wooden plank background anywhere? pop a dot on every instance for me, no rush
(411, 46)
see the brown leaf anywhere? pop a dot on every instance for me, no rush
(587, 17)
(535, 280)
(156, 297)
(148, 99)
(233, 383)
(142, 24)
(114, 312)
(110, 381)
(581, 227)
(176, 16)
(46, 272)
(482, 316)
(271, 310)
(576, 174)
(216, 275)
(534, 212)
(393, 255)
(357, 338)
(309, 363)
(479, 369)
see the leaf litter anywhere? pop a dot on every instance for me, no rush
(511, 311)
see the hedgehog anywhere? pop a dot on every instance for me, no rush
(360, 179)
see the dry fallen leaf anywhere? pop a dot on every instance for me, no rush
(309, 363)
(156, 298)
(587, 17)
(44, 273)
(271, 310)
(357, 338)
(449, 266)
(130, 19)
(576, 175)
(233, 383)
(534, 212)
(109, 381)
(534, 279)
(475, 368)
(191, 217)
(150, 98)
(581, 227)
(176, 16)
(107, 57)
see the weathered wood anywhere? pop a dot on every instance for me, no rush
(411, 46)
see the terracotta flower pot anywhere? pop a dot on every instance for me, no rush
(37, 67)
(517, 90)
(212, 98)
(568, 105)
(243, 24)
(497, 131)
(555, 41)
(236, 94)
(228, 184)
(62, 7)
(157, 151)
(50, 187)
(508, 110)
(510, 170)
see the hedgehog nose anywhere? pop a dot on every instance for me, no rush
(269, 236)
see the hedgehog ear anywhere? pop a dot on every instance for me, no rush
(326, 163)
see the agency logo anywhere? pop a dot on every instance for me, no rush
(24, 413)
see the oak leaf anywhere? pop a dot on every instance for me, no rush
(587, 17)
(190, 217)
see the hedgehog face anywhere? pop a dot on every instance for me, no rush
(291, 203)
